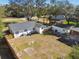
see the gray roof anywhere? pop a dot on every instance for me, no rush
(75, 29)
(63, 26)
(58, 17)
(39, 25)
(25, 26)
(22, 26)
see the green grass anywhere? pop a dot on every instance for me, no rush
(26, 57)
(69, 22)
(25, 45)
(21, 47)
(47, 43)
(8, 20)
(72, 23)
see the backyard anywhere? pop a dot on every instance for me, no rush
(39, 47)
(49, 45)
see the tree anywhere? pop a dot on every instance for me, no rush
(56, 8)
(40, 5)
(77, 11)
(53, 2)
(1, 28)
(2, 11)
(14, 10)
(69, 11)
(53, 7)
(18, 8)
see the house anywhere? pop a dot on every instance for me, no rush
(58, 17)
(20, 29)
(61, 28)
(74, 34)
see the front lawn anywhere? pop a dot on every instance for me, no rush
(65, 22)
(71, 23)
(7, 20)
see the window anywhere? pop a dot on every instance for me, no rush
(25, 30)
(56, 31)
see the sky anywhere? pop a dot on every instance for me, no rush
(75, 2)
(3, 2)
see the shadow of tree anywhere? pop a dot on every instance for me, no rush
(68, 42)
(5, 52)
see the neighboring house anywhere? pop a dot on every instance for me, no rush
(20, 29)
(74, 34)
(58, 17)
(61, 28)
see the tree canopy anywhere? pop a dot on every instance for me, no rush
(1, 28)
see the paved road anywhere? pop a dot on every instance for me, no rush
(5, 51)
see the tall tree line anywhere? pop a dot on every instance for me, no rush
(18, 8)
(21, 8)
